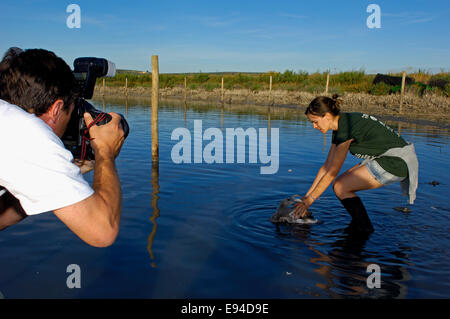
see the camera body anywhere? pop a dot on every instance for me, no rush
(76, 137)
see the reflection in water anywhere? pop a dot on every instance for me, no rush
(155, 180)
(185, 111)
(155, 198)
(343, 264)
(221, 116)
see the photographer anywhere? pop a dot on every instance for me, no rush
(37, 94)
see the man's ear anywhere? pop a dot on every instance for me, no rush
(55, 110)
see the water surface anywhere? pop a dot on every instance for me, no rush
(203, 230)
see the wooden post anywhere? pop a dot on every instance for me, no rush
(270, 90)
(222, 92)
(185, 89)
(328, 81)
(403, 91)
(155, 100)
(126, 87)
(103, 88)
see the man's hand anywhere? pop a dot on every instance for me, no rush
(85, 165)
(107, 139)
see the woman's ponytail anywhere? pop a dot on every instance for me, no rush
(335, 105)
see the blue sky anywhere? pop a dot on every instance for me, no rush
(255, 36)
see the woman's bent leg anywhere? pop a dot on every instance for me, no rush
(345, 186)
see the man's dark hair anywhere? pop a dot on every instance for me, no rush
(34, 79)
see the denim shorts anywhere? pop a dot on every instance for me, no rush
(383, 177)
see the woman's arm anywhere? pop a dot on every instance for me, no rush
(337, 160)
(324, 169)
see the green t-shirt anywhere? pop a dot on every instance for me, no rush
(371, 138)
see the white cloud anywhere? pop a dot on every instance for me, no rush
(410, 17)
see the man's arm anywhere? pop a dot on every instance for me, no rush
(11, 212)
(96, 219)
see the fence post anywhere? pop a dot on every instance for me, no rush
(185, 89)
(154, 120)
(222, 92)
(328, 81)
(270, 90)
(403, 90)
(103, 88)
(126, 87)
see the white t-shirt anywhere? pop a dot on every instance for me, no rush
(34, 165)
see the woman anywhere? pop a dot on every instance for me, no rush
(388, 158)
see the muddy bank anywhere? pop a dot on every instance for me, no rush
(428, 108)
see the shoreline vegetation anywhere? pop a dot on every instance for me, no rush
(422, 100)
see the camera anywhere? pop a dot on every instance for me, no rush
(76, 137)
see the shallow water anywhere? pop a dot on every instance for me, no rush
(204, 230)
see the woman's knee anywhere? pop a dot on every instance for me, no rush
(338, 187)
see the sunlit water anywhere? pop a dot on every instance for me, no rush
(203, 230)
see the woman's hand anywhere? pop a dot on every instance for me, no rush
(302, 208)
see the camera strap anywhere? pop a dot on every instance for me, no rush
(86, 137)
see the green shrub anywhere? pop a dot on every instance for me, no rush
(201, 77)
(353, 77)
(210, 86)
(380, 88)
(447, 90)
(315, 89)
(352, 81)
